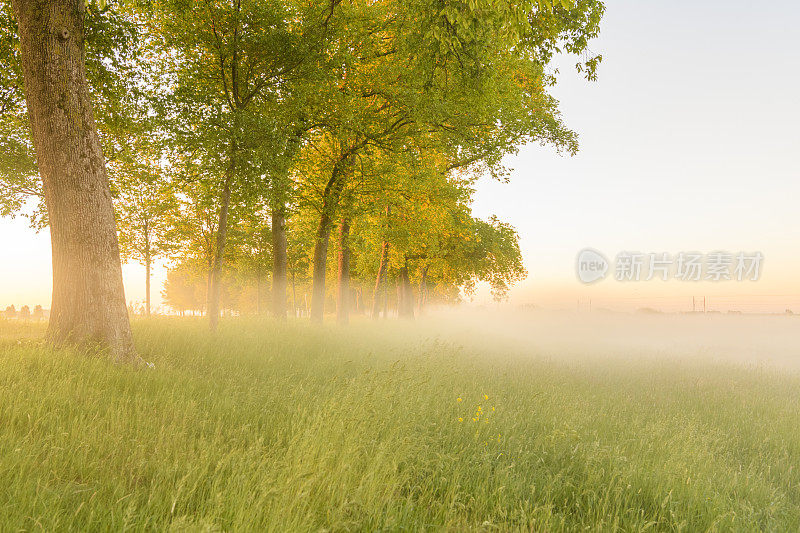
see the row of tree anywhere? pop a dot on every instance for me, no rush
(242, 136)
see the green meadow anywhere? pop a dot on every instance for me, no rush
(386, 426)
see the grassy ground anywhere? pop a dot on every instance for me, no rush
(270, 427)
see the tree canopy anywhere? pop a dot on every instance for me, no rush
(263, 148)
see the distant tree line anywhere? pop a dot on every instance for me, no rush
(24, 313)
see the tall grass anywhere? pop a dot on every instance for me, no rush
(288, 427)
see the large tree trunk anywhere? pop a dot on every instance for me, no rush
(343, 301)
(88, 296)
(219, 253)
(382, 268)
(279, 262)
(330, 201)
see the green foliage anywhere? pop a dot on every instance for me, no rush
(321, 110)
(146, 208)
(19, 181)
(112, 63)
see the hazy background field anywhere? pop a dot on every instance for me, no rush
(762, 341)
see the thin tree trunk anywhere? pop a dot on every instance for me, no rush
(405, 301)
(148, 261)
(279, 262)
(423, 289)
(343, 301)
(386, 295)
(399, 293)
(330, 200)
(208, 287)
(382, 267)
(222, 237)
(294, 297)
(88, 295)
(320, 265)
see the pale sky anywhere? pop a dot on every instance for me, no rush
(689, 142)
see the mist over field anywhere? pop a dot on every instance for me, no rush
(751, 341)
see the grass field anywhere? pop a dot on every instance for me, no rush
(386, 427)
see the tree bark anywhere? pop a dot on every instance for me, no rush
(330, 201)
(279, 262)
(343, 301)
(88, 295)
(382, 267)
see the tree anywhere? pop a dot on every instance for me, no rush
(38, 312)
(111, 57)
(88, 295)
(25, 313)
(232, 59)
(465, 79)
(146, 209)
(11, 312)
(185, 288)
(250, 258)
(19, 180)
(281, 193)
